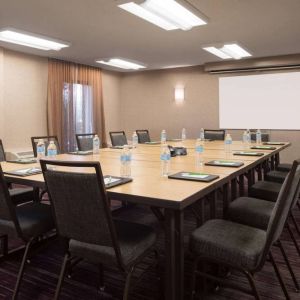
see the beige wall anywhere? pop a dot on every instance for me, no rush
(147, 101)
(1, 93)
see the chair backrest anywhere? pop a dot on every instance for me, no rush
(285, 200)
(118, 138)
(7, 209)
(2, 152)
(47, 139)
(212, 134)
(264, 137)
(85, 141)
(143, 136)
(80, 203)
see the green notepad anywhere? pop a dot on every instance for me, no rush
(152, 143)
(111, 181)
(248, 153)
(274, 143)
(24, 172)
(225, 163)
(194, 176)
(81, 152)
(23, 161)
(263, 147)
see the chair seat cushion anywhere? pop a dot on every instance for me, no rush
(266, 190)
(134, 240)
(21, 195)
(238, 245)
(284, 167)
(276, 176)
(251, 211)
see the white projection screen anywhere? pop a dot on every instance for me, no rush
(268, 101)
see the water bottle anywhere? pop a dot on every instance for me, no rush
(248, 137)
(202, 136)
(183, 134)
(163, 136)
(245, 139)
(228, 143)
(51, 150)
(125, 159)
(96, 144)
(135, 140)
(40, 149)
(199, 149)
(258, 137)
(165, 158)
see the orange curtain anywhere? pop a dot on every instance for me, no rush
(61, 72)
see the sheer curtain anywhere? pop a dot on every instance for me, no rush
(75, 102)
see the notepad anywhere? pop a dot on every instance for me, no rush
(112, 181)
(81, 152)
(274, 143)
(24, 172)
(194, 176)
(225, 163)
(263, 147)
(248, 153)
(23, 161)
(152, 143)
(174, 140)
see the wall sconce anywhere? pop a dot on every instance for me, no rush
(179, 94)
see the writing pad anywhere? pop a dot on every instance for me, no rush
(193, 176)
(263, 147)
(112, 181)
(225, 163)
(25, 172)
(248, 153)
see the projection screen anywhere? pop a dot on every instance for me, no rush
(268, 101)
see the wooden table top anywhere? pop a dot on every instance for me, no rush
(148, 186)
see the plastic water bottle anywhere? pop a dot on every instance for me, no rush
(135, 140)
(248, 137)
(51, 150)
(228, 143)
(125, 159)
(163, 136)
(96, 144)
(258, 137)
(245, 139)
(199, 149)
(202, 136)
(183, 134)
(165, 158)
(40, 149)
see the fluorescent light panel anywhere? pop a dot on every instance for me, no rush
(30, 40)
(121, 63)
(167, 14)
(228, 51)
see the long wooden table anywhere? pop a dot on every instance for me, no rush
(150, 188)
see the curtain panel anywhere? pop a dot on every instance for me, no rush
(60, 75)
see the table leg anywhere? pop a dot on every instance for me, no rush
(174, 254)
(241, 185)
(233, 189)
(225, 199)
(273, 163)
(213, 204)
(259, 172)
(277, 160)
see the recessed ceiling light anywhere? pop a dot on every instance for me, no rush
(30, 40)
(167, 14)
(228, 51)
(121, 63)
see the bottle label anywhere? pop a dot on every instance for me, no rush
(165, 156)
(228, 142)
(52, 152)
(125, 158)
(40, 149)
(199, 149)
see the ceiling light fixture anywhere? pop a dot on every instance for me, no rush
(167, 14)
(121, 63)
(30, 40)
(228, 51)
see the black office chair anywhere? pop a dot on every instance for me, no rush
(21, 194)
(46, 139)
(143, 136)
(216, 135)
(240, 246)
(88, 227)
(85, 141)
(118, 138)
(264, 137)
(30, 222)
(256, 212)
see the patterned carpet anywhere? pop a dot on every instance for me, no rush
(41, 274)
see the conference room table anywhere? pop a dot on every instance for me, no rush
(168, 197)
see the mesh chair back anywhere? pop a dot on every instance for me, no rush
(211, 134)
(118, 138)
(143, 136)
(2, 152)
(80, 202)
(5, 208)
(85, 141)
(285, 200)
(264, 137)
(47, 139)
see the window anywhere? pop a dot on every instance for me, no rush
(77, 113)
